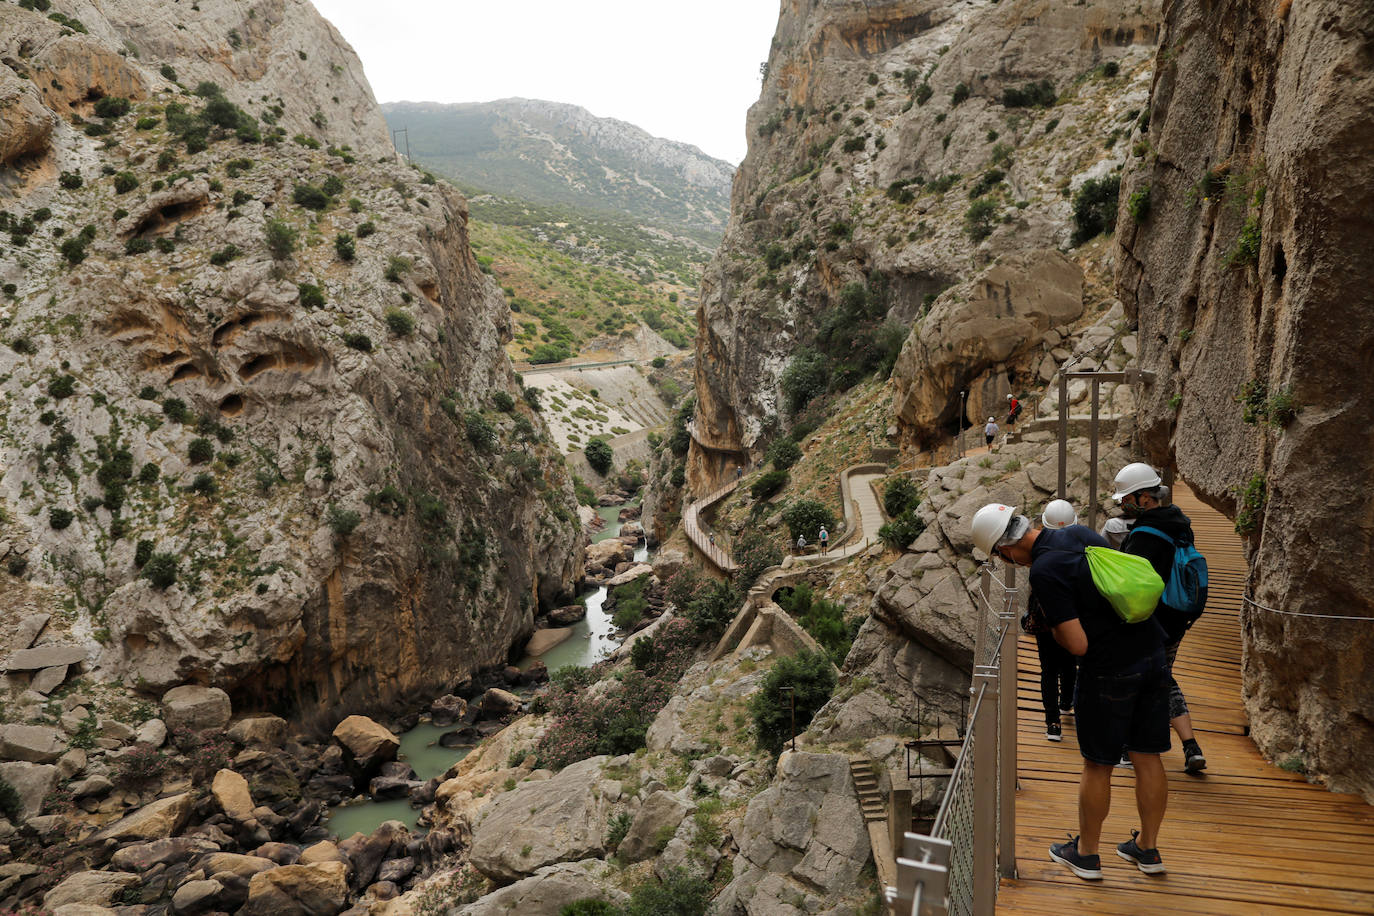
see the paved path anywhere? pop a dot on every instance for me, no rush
(1245, 838)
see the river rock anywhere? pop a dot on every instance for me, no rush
(560, 819)
(100, 888)
(549, 890)
(97, 784)
(630, 575)
(196, 897)
(390, 787)
(544, 640)
(298, 890)
(162, 818)
(396, 871)
(567, 615)
(32, 743)
(236, 864)
(498, 703)
(41, 657)
(79, 909)
(152, 733)
(281, 853)
(259, 731)
(231, 793)
(447, 709)
(368, 744)
(195, 708)
(141, 857)
(661, 812)
(323, 851)
(608, 553)
(32, 782)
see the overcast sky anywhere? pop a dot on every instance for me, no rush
(682, 70)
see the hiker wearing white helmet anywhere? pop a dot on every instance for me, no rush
(1013, 409)
(990, 431)
(1156, 533)
(1122, 691)
(1059, 514)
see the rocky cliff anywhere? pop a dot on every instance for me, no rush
(256, 425)
(1251, 284)
(896, 150)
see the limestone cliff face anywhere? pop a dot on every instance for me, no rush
(1252, 277)
(878, 126)
(251, 423)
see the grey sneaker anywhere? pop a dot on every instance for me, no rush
(1147, 860)
(1053, 732)
(1089, 868)
(1193, 761)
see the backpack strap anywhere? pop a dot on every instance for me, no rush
(1156, 532)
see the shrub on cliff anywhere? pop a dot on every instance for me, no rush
(805, 377)
(1094, 208)
(280, 238)
(824, 620)
(768, 484)
(10, 805)
(805, 518)
(811, 678)
(600, 455)
(754, 552)
(160, 570)
(783, 452)
(900, 494)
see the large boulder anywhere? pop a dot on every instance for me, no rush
(367, 744)
(298, 890)
(259, 731)
(196, 897)
(498, 703)
(975, 332)
(661, 813)
(161, 819)
(99, 888)
(194, 708)
(561, 819)
(544, 640)
(803, 838)
(231, 793)
(235, 864)
(32, 743)
(32, 781)
(29, 629)
(549, 889)
(140, 857)
(567, 615)
(41, 657)
(448, 709)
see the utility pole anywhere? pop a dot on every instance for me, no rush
(406, 131)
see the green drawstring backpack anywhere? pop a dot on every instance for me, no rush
(1128, 582)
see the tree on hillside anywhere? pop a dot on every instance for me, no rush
(600, 455)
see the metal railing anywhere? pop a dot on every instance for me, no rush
(698, 537)
(955, 869)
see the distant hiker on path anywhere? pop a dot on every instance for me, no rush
(801, 543)
(1156, 534)
(1013, 409)
(990, 431)
(1123, 687)
(824, 538)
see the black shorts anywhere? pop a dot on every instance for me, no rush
(1124, 710)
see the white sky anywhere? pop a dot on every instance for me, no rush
(681, 70)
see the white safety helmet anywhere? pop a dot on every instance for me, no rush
(1059, 514)
(991, 420)
(996, 524)
(1011, 397)
(1133, 477)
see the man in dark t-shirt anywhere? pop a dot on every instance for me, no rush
(1122, 692)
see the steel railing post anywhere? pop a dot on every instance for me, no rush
(1092, 461)
(985, 798)
(1006, 741)
(1063, 435)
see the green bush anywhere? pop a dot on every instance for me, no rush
(149, 473)
(344, 247)
(224, 255)
(502, 401)
(203, 485)
(396, 268)
(200, 451)
(480, 432)
(160, 570)
(63, 386)
(143, 553)
(980, 218)
(342, 522)
(1030, 95)
(589, 906)
(783, 452)
(399, 323)
(310, 197)
(754, 551)
(111, 106)
(1138, 204)
(599, 455)
(902, 530)
(312, 297)
(659, 362)
(138, 245)
(899, 495)
(70, 181)
(805, 518)
(812, 679)
(73, 249)
(366, 229)
(960, 95)
(175, 410)
(59, 518)
(768, 484)
(1094, 208)
(679, 895)
(280, 237)
(125, 182)
(11, 806)
(824, 620)
(712, 608)
(358, 341)
(805, 377)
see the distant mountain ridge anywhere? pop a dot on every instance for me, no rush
(554, 153)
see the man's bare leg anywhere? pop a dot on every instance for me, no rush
(1094, 801)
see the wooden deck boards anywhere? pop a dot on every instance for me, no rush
(1246, 838)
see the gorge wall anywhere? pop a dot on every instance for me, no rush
(898, 149)
(1251, 284)
(257, 429)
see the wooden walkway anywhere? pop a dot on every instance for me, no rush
(1246, 838)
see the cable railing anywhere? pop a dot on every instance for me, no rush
(954, 870)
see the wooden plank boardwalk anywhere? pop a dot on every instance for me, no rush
(1245, 838)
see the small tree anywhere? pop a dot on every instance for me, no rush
(754, 552)
(783, 452)
(806, 517)
(768, 484)
(280, 238)
(1094, 208)
(804, 378)
(161, 570)
(899, 495)
(600, 455)
(812, 679)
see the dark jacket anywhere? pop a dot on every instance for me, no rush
(1160, 553)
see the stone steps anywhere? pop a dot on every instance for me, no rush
(866, 788)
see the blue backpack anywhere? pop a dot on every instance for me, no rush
(1186, 589)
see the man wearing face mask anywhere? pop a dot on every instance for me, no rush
(1140, 491)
